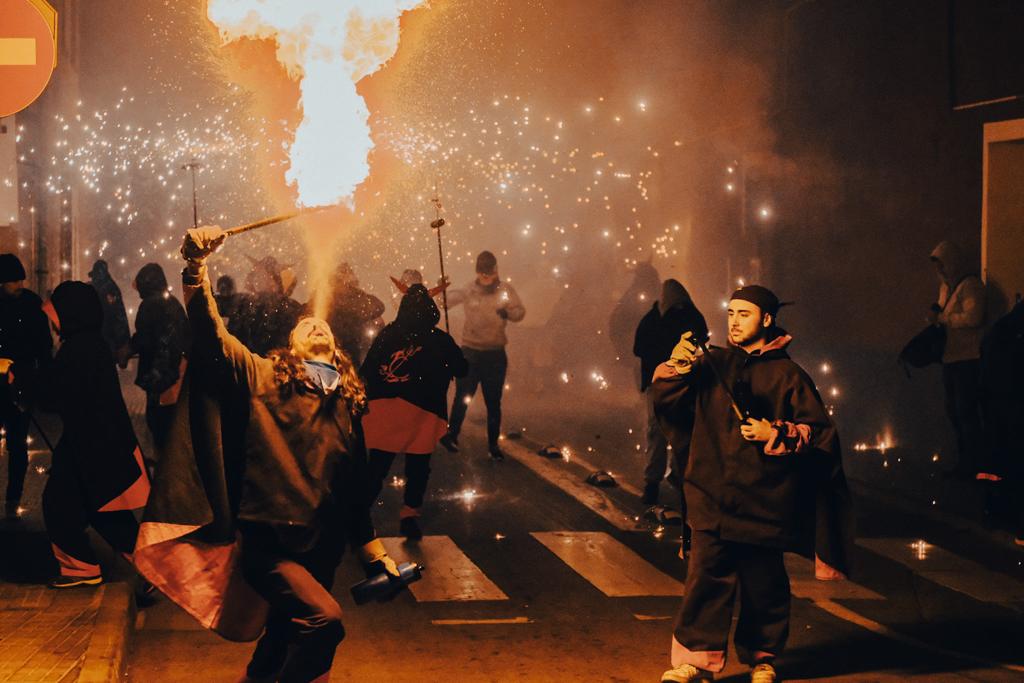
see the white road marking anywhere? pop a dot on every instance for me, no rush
(802, 583)
(555, 472)
(449, 574)
(609, 565)
(950, 570)
(480, 622)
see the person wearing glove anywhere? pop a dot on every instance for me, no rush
(760, 435)
(291, 434)
(490, 304)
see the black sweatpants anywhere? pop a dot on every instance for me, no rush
(961, 381)
(304, 627)
(486, 369)
(68, 516)
(716, 572)
(417, 472)
(15, 423)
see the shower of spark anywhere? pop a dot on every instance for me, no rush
(328, 47)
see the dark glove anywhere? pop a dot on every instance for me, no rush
(503, 313)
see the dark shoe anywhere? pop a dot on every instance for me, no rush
(450, 442)
(410, 528)
(76, 581)
(650, 496)
(496, 453)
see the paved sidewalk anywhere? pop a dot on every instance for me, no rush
(77, 635)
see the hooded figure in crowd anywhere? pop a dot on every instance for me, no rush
(263, 317)
(97, 477)
(764, 477)
(656, 335)
(407, 373)
(490, 304)
(161, 340)
(262, 487)
(960, 309)
(25, 345)
(353, 313)
(115, 319)
(631, 308)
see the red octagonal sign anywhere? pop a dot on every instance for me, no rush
(28, 52)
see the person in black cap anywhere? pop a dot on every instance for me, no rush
(115, 319)
(764, 476)
(25, 346)
(490, 305)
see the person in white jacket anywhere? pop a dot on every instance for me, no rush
(490, 304)
(961, 310)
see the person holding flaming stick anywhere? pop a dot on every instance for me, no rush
(764, 476)
(267, 482)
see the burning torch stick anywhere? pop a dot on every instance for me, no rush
(238, 229)
(436, 224)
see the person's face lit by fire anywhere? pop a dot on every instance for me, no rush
(747, 324)
(312, 339)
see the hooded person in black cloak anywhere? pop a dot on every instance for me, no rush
(97, 477)
(656, 335)
(115, 318)
(764, 476)
(161, 339)
(407, 373)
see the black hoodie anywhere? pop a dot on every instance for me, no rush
(412, 359)
(161, 332)
(97, 444)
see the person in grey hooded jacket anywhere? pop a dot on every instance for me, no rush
(960, 309)
(490, 304)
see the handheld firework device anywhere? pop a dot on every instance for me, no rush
(384, 586)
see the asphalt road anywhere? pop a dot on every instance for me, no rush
(530, 581)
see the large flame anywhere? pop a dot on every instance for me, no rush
(328, 45)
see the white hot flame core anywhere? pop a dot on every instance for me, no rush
(328, 45)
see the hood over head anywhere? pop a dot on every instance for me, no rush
(954, 261)
(417, 311)
(78, 308)
(11, 269)
(100, 271)
(150, 280)
(672, 294)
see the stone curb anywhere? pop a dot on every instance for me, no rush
(106, 658)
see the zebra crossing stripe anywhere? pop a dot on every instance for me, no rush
(802, 583)
(449, 574)
(610, 566)
(949, 570)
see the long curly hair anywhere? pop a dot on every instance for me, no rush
(289, 372)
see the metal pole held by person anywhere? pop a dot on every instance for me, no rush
(437, 224)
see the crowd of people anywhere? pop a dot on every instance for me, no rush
(271, 433)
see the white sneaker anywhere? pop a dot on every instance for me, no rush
(763, 673)
(685, 673)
